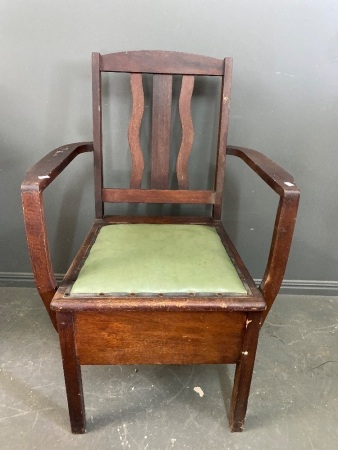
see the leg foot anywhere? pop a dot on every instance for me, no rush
(243, 374)
(72, 373)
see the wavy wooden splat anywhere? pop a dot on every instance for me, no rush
(134, 131)
(187, 131)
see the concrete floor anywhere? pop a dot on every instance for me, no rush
(293, 402)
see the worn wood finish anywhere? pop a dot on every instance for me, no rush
(50, 166)
(222, 137)
(283, 184)
(187, 131)
(37, 179)
(159, 337)
(158, 196)
(39, 249)
(243, 374)
(155, 328)
(97, 133)
(276, 177)
(160, 133)
(198, 220)
(280, 248)
(72, 372)
(134, 131)
(154, 302)
(161, 62)
(64, 301)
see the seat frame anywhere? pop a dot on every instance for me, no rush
(135, 322)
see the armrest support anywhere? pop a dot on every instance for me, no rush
(283, 184)
(36, 180)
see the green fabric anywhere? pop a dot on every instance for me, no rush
(140, 258)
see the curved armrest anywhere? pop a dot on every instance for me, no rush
(37, 179)
(282, 183)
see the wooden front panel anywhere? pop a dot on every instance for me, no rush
(152, 337)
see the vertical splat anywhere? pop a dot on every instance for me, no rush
(161, 119)
(187, 131)
(134, 131)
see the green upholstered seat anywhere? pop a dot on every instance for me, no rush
(149, 258)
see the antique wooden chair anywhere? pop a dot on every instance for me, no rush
(158, 290)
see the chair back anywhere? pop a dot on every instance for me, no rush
(163, 66)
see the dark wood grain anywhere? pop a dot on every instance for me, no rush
(39, 176)
(72, 372)
(280, 248)
(157, 196)
(283, 184)
(39, 249)
(159, 337)
(134, 131)
(36, 180)
(243, 374)
(97, 133)
(161, 62)
(158, 328)
(222, 137)
(155, 302)
(276, 177)
(187, 131)
(199, 220)
(160, 133)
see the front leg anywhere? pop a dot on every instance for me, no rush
(72, 373)
(243, 374)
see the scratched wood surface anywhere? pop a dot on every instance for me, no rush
(187, 131)
(154, 328)
(161, 121)
(163, 65)
(159, 337)
(134, 131)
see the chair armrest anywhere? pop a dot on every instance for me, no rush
(36, 180)
(283, 184)
(50, 166)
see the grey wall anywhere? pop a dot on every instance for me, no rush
(284, 103)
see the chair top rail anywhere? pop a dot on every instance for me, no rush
(161, 62)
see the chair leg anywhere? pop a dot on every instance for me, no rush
(72, 373)
(243, 374)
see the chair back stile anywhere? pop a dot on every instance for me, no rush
(163, 66)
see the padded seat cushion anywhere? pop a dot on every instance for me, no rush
(149, 258)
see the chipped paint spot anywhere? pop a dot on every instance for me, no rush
(225, 99)
(42, 177)
(245, 353)
(247, 323)
(288, 183)
(199, 391)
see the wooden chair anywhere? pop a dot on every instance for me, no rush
(158, 290)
